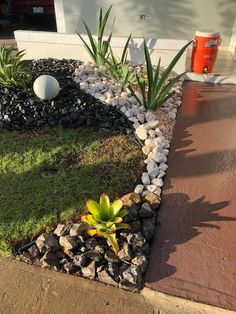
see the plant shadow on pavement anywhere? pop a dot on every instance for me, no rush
(189, 217)
(46, 178)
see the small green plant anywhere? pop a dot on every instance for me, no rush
(105, 219)
(157, 88)
(120, 69)
(14, 72)
(98, 49)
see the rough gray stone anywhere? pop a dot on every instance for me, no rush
(68, 243)
(50, 260)
(80, 260)
(89, 271)
(140, 260)
(77, 229)
(146, 211)
(46, 242)
(93, 255)
(111, 257)
(62, 230)
(136, 240)
(103, 276)
(148, 228)
(132, 275)
(125, 254)
(152, 199)
(135, 226)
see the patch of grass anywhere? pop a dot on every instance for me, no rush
(46, 177)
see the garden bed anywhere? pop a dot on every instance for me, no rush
(92, 100)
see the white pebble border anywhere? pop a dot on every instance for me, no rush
(147, 129)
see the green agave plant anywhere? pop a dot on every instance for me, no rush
(98, 48)
(13, 70)
(120, 68)
(157, 88)
(105, 219)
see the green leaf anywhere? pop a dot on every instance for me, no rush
(93, 207)
(105, 211)
(116, 207)
(112, 240)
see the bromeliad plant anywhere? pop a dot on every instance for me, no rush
(98, 49)
(105, 219)
(120, 69)
(157, 88)
(14, 72)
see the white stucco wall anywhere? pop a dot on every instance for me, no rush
(174, 19)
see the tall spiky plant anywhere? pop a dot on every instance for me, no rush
(157, 89)
(98, 48)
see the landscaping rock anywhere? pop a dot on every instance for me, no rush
(139, 189)
(103, 276)
(152, 199)
(131, 198)
(141, 261)
(146, 211)
(141, 132)
(148, 228)
(46, 242)
(50, 260)
(91, 243)
(68, 243)
(145, 178)
(89, 271)
(93, 255)
(136, 240)
(132, 275)
(77, 229)
(62, 230)
(125, 254)
(71, 268)
(135, 226)
(80, 260)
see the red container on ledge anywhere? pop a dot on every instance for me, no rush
(204, 53)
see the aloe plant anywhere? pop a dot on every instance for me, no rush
(13, 70)
(98, 48)
(157, 88)
(120, 68)
(105, 219)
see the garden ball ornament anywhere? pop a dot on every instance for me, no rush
(46, 87)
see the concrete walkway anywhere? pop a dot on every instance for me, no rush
(194, 250)
(26, 289)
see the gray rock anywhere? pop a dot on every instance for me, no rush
(50, 260)
(163, 166)
(77, 230)
(146, 211)
(136, 240)
(62, 230)
(139, 189)
(145, 178)
(148, 228)
(103, 276)
(89, 271)
(91, 243)
(141, 132)
(47, 242)
(71, 268)
(68, 243)
(132, 275)
(135, 226)
(145, 249)
(152, 199)
(93, 255)
(114, 269)
(140, 260)
(126, 253)
(80, 260)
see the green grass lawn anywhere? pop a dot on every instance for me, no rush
(46, 177)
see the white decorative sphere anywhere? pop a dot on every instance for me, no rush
(46, 87)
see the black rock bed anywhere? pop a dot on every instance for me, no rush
(23, 110)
